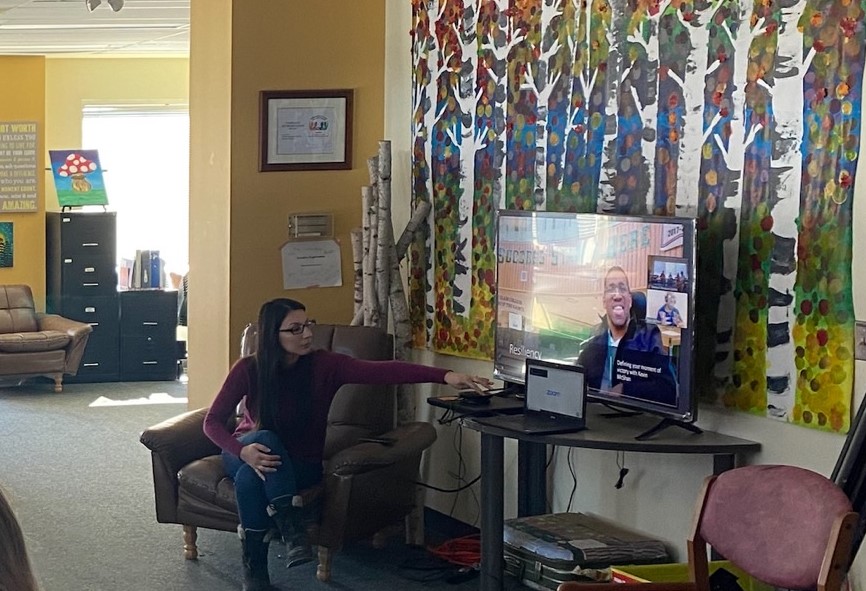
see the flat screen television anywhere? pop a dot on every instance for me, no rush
(612, 293)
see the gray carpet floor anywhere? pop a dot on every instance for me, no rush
(80, 483)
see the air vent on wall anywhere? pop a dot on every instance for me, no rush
(311, 225)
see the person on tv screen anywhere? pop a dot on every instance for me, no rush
(668, 314)
(626, 355)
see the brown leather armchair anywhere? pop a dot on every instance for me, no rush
(367, 487)
(35, 344)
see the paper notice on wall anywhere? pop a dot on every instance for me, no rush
(311, 263)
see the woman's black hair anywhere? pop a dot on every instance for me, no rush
(271, 369)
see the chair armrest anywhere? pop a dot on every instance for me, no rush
(410, 440)
(180, 440)
(78, 333)
(73, 328)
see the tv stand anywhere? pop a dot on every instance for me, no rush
(617, 412)
(531, 481)
(664, 424)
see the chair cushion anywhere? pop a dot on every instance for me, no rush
(33, 342)
(205, 479)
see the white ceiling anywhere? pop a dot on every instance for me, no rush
(66, 27)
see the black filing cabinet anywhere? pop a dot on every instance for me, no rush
(81, 283)
(148, 335)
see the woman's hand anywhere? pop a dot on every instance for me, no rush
(259, 457)
(462, 381)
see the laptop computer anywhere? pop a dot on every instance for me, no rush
(555, 401)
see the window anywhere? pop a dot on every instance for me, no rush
(144, 151)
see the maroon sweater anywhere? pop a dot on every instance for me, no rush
(330, 371)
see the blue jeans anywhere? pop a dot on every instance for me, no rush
(254, 494)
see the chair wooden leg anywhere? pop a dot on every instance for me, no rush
(190, 536)
(58, 383)
(323, 571)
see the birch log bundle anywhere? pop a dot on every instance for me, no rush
(377, 280)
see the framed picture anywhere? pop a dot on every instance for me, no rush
(305, 130)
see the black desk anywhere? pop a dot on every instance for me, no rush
(497, 405)
(615, 434)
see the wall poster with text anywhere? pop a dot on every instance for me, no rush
(18, 166)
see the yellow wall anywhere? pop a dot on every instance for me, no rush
(23, 99)
(293, 45)
(299, 45)
(210, 123)
(72, 83)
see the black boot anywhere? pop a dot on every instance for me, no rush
(255, 547)
(290, 521)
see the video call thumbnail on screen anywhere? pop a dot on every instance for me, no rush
(611, 293)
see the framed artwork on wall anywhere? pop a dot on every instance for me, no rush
(7, 244)
(305, 130)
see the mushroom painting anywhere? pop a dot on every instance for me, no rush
(77, 167)
(78, 177)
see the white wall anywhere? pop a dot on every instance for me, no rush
(660, 490)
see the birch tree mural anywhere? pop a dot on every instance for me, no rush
(743, 113)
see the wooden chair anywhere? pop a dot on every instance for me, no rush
(786, 526)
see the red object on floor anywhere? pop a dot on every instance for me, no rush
(464, 551)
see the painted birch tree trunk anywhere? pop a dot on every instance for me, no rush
(429, 112)
(788, 109)
(542, 82)
(580, 87)
(600, 67)
(465, 139)
(692, 142)
(615, 75)
(562, 110)
(648, 104)
(741, 136)
(502, 48)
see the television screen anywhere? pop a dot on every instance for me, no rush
(612, 293)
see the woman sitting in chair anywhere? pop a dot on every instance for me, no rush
(277, 448)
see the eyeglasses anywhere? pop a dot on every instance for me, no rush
(613, 288)
(298, 328)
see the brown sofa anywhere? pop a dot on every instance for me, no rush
(34, 344)
(367, 486)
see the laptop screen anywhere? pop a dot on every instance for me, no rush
(556, 388)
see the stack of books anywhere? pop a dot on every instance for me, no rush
(147, 271)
